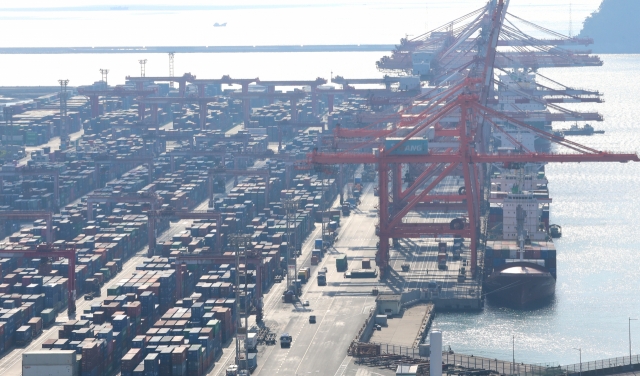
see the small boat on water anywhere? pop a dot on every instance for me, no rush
(555, 231)
(576, 130)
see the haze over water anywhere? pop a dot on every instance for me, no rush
(35, 23)
(596, 204)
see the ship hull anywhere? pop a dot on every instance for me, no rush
(520, 289)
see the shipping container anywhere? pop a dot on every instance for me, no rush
(412, 146)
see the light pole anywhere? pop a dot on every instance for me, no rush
(63, 114)
(580, 350)
(323, 208)
(630, 319)
(290, 206)
(240, 242)
(513, 353)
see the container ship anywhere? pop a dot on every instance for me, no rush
(523, 271)
(520, 264)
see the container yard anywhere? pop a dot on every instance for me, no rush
(183, 226)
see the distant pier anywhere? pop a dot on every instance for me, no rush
(197, 49)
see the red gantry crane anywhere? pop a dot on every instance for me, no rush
(462, 121)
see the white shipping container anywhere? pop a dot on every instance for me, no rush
(49, 370)
(48, 358)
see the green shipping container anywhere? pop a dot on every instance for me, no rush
(48, 316)
(341, 263)
(113, 291)
(215, 324)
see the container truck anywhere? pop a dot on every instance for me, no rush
(303, 274)
(250, 364)
(442, 261)
(285, 340)
(456, 251)
(322, 277)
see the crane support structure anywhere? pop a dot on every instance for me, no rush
(236, 173)
(28, 171)
(253, 258)
(136, 160)
(118, 91)
(47, 250)
(153, 200)
(181, 214)
(20, 215)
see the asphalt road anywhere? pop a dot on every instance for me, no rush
(340, 307)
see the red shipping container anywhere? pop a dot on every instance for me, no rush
(36, 325)
(26, 280)
(179, 355)
(48, 344)
(208, 332)
(134, 309)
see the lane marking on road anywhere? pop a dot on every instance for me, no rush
(314, 336)
(232, 353)
(343, 366)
